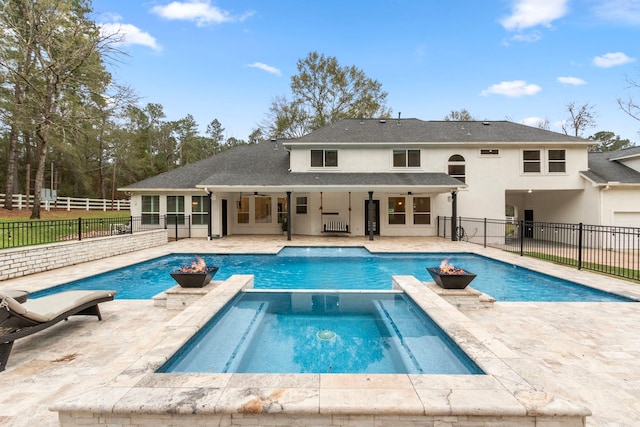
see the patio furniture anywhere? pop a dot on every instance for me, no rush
(20, 320)
(17, 294)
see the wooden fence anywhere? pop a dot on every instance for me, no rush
(20, 202)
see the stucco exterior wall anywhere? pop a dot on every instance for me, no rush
(621, 207)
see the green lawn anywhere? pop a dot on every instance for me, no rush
(16, 229)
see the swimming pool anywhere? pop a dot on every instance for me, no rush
(321, 332)
(341, 268)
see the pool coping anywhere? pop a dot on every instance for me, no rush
(138, 392)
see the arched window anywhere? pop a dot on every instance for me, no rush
(456, 167)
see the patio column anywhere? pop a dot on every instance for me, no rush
(288, 215)
(370, 215)
(454, 215)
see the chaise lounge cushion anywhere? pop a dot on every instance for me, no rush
(49, 307)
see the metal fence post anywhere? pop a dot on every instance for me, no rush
(79, 228)
(521, 237)
(580, 246)
(485, 232)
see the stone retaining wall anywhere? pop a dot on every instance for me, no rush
(35, 259)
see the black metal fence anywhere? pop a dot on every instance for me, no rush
(28, 233)
(604, 249)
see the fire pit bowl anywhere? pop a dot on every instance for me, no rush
(197, 275)
(194, 279)
(448, 280)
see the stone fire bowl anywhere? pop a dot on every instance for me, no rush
(451, 281)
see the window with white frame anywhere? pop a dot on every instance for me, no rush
(422, 210)
(282, 210)
(150, 210)
(242, 208)
(406, 158)
(262, 209)
(397, 210)
(531, 161)
(199, 210)
(175, 210)
(456, 167)
(324, 158)
(557, 161)
(301, 204)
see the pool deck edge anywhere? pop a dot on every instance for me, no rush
(140, 394)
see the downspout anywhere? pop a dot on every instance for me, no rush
(370, 215)
(454, 215)
(602, 190)
(289, 225)
(209, 227)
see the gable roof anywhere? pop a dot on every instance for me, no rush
(420, 131)
(604, 168)
(266, 166)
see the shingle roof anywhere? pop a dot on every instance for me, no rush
(626, 153)
(259, 163)
(603, 169)
(267, 163)
(420, 131)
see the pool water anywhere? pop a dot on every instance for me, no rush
(341, 268)
(318, 332)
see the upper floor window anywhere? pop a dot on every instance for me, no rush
(456, 168)
(531, 161)
(489, 152)
(406, 158)
(557, 161)
(324, 158)
(151, 209)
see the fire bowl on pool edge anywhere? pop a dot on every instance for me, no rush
(451, 281)
(193, 279)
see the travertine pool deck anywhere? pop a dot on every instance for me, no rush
(582, 354)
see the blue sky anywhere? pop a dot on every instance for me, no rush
(520, 60)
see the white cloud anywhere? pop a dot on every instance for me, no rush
(612, 59)
(200, 11)
(267, 68)
(624, 11)
(531, 13)
(130, 34)
(574, 81)
(512, 89)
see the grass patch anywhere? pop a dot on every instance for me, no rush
(610, 270)
(17, 229)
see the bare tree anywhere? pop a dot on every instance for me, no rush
(629, 106)
(580, 118)
(459, 116)
(543, 124)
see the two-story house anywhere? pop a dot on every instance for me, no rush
(390, 177)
